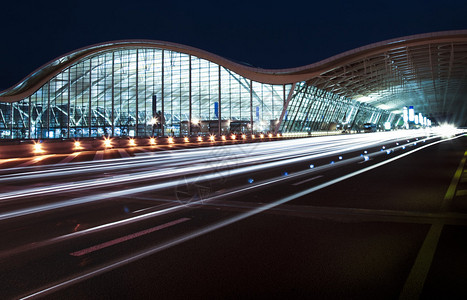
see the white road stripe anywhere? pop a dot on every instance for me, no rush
(99, 155)
(123, 153)
(69, 158)
(307, 180)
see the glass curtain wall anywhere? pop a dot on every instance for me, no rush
(311, 109)
(140, 92)
(144, 92)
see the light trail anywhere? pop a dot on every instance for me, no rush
(186, 237)
(261, 164)
(194, 154)
(269, 151)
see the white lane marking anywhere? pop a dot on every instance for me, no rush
(307, 180)
(34, 160)
(127, 237)
(123, 153)
(97, 271)
(99, 155)
(69, 158)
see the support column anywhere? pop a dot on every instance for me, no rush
(69, 103)
(136, 97)
(251, 106)
(162, 94)
(190, 117)
(219, 110)
(113, 94)
(90, 98)
(285, 106)
(29, 117)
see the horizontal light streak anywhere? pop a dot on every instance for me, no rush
(158, 186)
(186, 237)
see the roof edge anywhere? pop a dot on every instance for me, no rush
(41, 75)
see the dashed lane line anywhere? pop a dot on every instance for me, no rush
(99, 155)
(123, 153)
(34, 160)
(69, 158)
(307, 180)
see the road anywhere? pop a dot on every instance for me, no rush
(370, 216)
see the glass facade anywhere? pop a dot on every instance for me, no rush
(140, 92)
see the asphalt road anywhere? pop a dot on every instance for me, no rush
(321, 218)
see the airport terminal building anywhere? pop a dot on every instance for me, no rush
(141, 88)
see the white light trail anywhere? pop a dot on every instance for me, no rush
(186, 237)
(302, 151)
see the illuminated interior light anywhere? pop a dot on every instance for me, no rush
(212, 138)
(285, 173)
(253, 136)
(312, 166)
(244, 136)
(365, 152)
(411, 114)
(200, 139)
(186, 139)
(278, 135)
(270, 135)
(261, 136)
(170, 140)
(223, 138)
(233, 136)
(152, 141)
(250, 180)
(366, 157)
(77, 145)
(132, 143)
(332, 162)
(340, 157)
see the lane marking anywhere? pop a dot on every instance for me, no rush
(461, 193)
(34, 160)
(454, 182)
(307, 180)
(99, 155)
(127, 238)
(413, 286)
(69, 158)
(123, 153)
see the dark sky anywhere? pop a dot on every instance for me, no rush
(267, 34)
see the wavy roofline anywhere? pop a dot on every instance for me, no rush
(41, 75)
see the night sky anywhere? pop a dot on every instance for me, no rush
(266, 34)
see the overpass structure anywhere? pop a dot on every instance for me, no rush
(146, 88)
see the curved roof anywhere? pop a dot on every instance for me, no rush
(428, 71)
